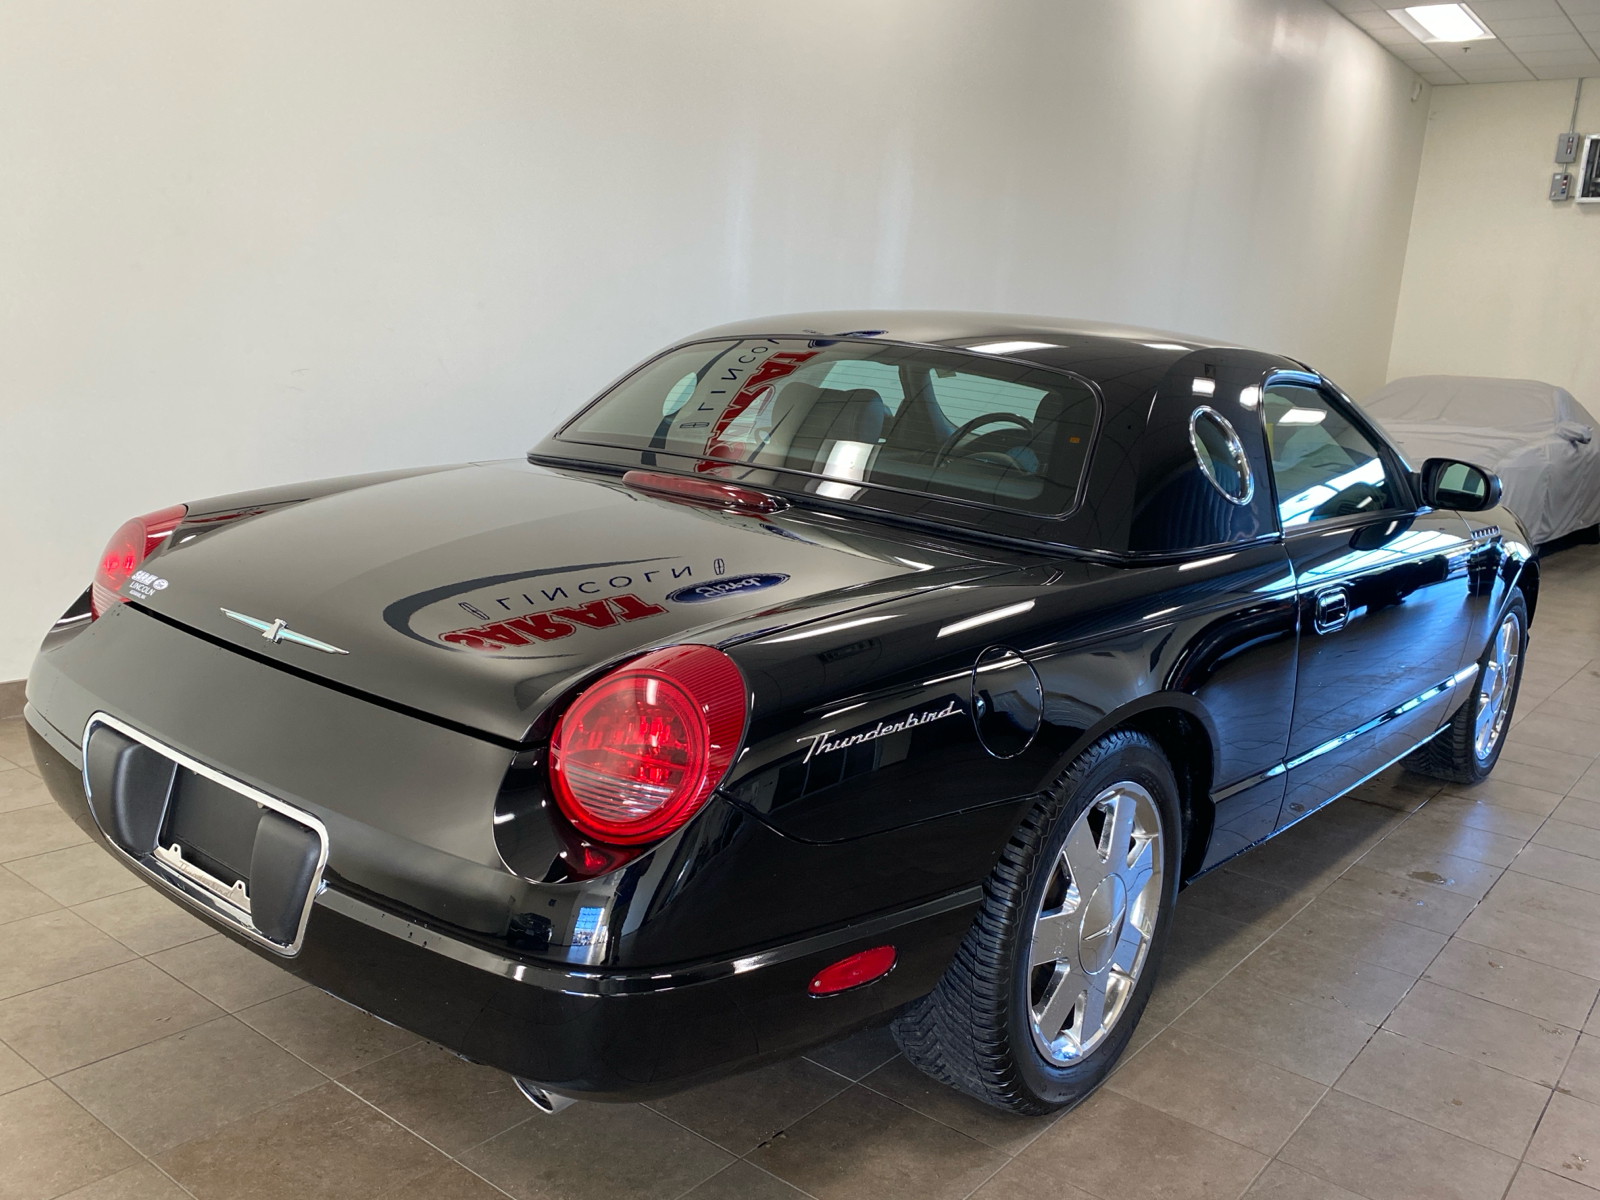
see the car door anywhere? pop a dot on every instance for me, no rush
(1382, 589)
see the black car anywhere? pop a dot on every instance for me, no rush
(827, 670)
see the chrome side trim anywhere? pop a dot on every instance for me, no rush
(188, 882)
(571, 982)
(1421, 698)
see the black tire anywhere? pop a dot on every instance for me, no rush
(975, 1031)
(1454, 754)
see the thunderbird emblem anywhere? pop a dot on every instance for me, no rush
(278, 631)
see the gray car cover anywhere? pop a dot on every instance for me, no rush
(1535, 436)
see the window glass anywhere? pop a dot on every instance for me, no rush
(853, 413)
(1323, 465)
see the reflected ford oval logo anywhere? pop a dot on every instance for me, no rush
(731, 586)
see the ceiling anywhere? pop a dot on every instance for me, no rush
(1534, 39)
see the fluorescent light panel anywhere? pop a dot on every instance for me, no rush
(1011, 347)
(1442, 23)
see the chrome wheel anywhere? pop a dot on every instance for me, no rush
(1495, 684)
(1092, 931)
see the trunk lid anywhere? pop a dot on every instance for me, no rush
(479, 594)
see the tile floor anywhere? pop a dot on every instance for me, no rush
(1395, 1000)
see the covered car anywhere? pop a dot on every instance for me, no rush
(1534, 435)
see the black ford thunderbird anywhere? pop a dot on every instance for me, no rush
(827, 670)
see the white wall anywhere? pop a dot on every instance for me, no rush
(1499, 280)
(260, 241)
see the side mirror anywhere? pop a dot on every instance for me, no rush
(1447, 483)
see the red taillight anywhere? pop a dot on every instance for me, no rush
(129, 546)
(852, 972)
(639, 752)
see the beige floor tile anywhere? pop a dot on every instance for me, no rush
(49, 1145)
(1303, 1038)
(1548, 901)
(67, 1025)
(14, 741)
(225, 973)
(1449, 1092)
(901, 1082)
(1582, 1076)
(1242, 1099)
(1568, 1139)
(1280, 1181)
(1533, 1184)
(1557, 735)
(1202, 948)
(1514, 982)
(1385, 1156)
(1587, 787)
(1440, 835)
(1120, 1148)
(1501, 1037)
(1564, 835)
(143, 1182)
(25, 832)
(1327, 979)
(453, 1103)
(862, 1144)
(449, 1182)
(1365, 936)
(1501, 790)
(189, 1085)
(334, 1037)
(1561, 866)
(22, 789)
(858, 1055)
(1398, 789)
(1242, 898)
(1408, 900)
(38, 951)
(323, 1144)
(556, 1156)
(76, 874)
(1576, 810)
(19, 899)
(1546, 775)
(144, 920)
(15, 1071)
(1522, 746)
(1517, 932)
(1464, 876)
(1028, 1178)
(740, 1113)
(1448, 810)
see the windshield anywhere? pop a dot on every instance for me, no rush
(852, 413)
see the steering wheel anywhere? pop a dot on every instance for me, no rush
(950, 443)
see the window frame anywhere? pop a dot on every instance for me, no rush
(1394, 466)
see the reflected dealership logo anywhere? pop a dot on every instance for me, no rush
(716, 589)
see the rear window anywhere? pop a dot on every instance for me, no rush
(854, 413)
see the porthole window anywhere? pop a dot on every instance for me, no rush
(1221, 454)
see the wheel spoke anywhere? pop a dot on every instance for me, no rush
(1065, 997)
(1081, 853)
(1054, 935)
(1091, 1010)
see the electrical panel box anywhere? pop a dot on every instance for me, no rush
(1567, 148)
(1561, 186)
(1589, 171)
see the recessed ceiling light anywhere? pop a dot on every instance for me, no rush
(1011, 347)
(1442, 23)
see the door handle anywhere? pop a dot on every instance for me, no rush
(1330, 610)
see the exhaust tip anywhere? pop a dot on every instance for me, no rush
(546, 1102)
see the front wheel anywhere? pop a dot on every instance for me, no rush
(1466, 750)
(1051, 979)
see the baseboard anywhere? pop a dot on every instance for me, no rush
(11, 698)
